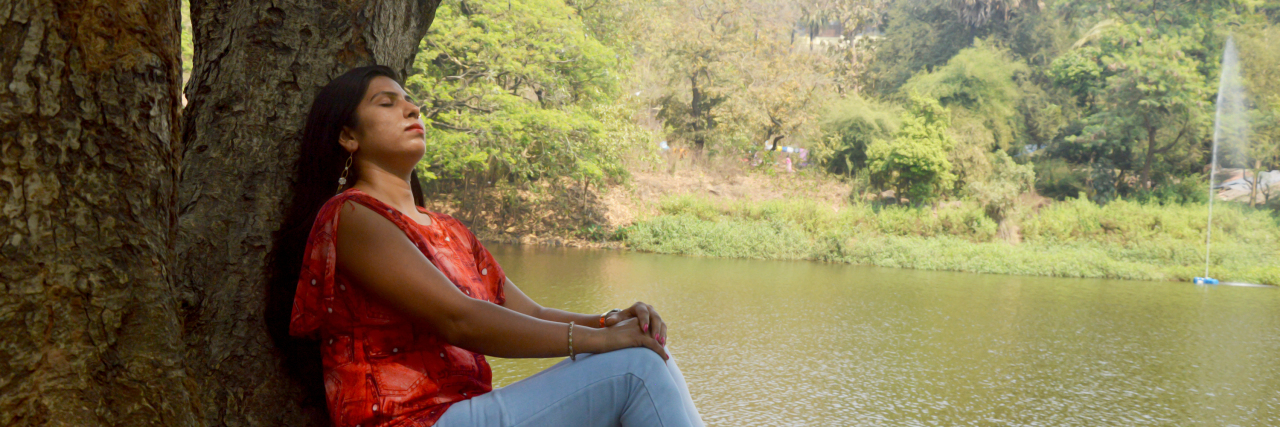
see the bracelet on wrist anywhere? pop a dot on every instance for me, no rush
(572, 356)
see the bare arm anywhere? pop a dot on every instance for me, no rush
(377, 255)
(644, 314)
(518, 301)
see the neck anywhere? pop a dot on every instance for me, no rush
(390, 187)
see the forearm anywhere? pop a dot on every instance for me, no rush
(518, 301)
(494, 330)
(556, 315)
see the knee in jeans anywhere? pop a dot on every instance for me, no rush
(642, 362)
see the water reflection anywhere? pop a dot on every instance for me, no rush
(800, 343)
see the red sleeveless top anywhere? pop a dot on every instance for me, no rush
(380, 369)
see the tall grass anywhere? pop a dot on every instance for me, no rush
(1075, 238)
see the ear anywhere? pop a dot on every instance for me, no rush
(348, 140)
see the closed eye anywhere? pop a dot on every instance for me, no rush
(391, 98)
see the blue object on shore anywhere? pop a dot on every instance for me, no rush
(1206, 281)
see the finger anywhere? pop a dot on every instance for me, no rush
(657, 324)
(611, 320)
(617, 318)
(642, 315)
(652, 344)
(660, 332)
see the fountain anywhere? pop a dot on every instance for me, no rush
(1230, 139)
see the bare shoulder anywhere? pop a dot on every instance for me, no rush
(362, 223)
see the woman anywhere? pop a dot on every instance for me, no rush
(406, 302)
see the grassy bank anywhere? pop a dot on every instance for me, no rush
(1075, 238)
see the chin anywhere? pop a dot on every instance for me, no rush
(416, 150)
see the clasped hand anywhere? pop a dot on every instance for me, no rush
(645, 318)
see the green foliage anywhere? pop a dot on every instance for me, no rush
(920, 34)
(981, 81)
(999, 194)
(970, 159)
(688, 235)
(1180, 191)
(186, 43)
(1058, 179)
(1126, 222)
(519, 91)
(1076, 238)
(726, 78)
(848, 128)
(696, 54)
(1260, 67)
(1144, 92)
(915, 163)
(1122, 91)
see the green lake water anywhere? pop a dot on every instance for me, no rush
(803, 343)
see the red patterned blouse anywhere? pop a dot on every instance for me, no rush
(379, 369)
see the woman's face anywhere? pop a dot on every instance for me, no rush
(389, 131)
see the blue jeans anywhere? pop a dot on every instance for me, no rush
(631, 387)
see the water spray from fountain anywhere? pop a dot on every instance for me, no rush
(1230, 136)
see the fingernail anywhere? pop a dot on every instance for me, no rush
(644, 328)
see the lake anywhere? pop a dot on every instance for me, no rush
(804, 343)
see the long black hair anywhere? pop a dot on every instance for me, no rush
(320, 163)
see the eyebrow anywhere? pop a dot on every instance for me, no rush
(393, 95)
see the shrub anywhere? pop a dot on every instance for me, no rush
(998, 194)
(848, 128)
(1057, 179)
(915, 163)
(1076, 238)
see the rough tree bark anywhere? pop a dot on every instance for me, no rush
(257, 67)
(89, 140)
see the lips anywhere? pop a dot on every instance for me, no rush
(415, 127)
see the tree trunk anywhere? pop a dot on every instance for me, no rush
(695, 110)
(1151, 158)
(1253, 190)
(256, 69)
(89, 105)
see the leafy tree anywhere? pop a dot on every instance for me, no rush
(516, 90)
(728, 77)
(923, 34)
(999, 193)
(849, 15)
(978, 13)
(915, 162)
(1145, 94)
(693, 49)
(918, 35)
(979, 80)
(980, 87)
(849, 127)
(779, 97)
(1260, 65)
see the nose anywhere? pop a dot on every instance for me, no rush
(414, 110)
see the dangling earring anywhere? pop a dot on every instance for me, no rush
(342, 180)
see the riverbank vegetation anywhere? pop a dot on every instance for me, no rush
(1047, 137)
(1073, 238)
